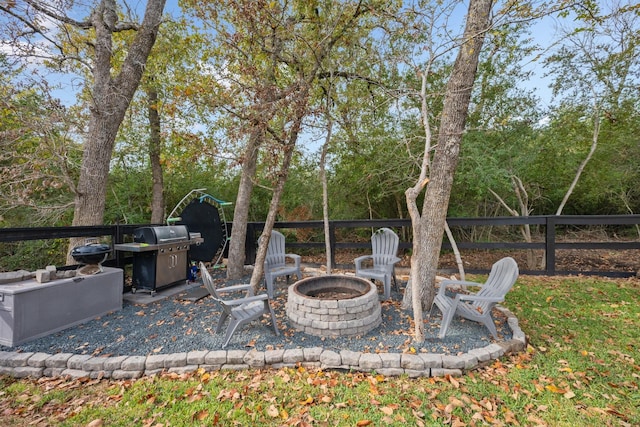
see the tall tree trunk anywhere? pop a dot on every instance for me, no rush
(583, 164)
(325, 190)
(111, 97)
(155, 146)
(429, 230)
(325, 200)
(261, 255)
(408, 301)
(289, 148)
(235, 266)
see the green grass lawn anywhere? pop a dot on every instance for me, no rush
(581, 368)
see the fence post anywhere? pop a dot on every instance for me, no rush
(250, 244)
(550, 246)
(117, 237)
(332, 242)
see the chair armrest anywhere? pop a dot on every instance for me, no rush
(246, 300)
(358, 261)
(235, 288)
(394, 259)
(465, 297)
(296, 258)
(450, 282)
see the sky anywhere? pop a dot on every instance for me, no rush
(543, 31)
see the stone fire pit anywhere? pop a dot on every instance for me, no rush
(333, 305)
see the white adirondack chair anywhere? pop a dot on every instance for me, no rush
(276, 265)
(478, 306)
(239, 311)
(384, 248)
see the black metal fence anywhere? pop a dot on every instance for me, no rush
(549, 229)
(115, 233)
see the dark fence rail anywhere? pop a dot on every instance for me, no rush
(550, 245)
(116, 233)
(549, 226)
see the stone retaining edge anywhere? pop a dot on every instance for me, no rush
(36, 365)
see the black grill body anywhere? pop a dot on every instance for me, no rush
(164, 260)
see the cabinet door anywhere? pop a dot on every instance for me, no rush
(144, 270)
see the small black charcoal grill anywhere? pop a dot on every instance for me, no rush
(160, 256)
(92, 255)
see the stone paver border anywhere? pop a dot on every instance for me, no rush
(36, 365)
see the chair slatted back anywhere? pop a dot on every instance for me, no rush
(276, 249)
(501, 278)
(207, 280)
(384, 246)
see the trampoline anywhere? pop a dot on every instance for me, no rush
(202, 213)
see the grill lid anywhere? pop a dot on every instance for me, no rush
(93, 253)
(161, 234)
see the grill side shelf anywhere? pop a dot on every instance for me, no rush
(145, 247)
(135, 247)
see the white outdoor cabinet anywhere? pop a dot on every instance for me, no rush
(30, 310)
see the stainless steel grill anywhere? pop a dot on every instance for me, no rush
(160, 256)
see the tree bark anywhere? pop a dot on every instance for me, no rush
(408, 300)
(261, 255)
(237, 258)
(325, 198)
(111, 97)
(289, 148)
(429, 231)
(325, 185)
(155, 146)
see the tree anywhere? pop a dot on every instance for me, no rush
(437, 173)
(110, 93)
(269, 56)
(428, 225)
(155, 147)
(164, 120)
(501, 138)
(111, 96)
(38, 160)
(323, 175)
(245, 54)
(598, 63)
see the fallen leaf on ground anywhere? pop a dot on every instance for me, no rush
(272, 411)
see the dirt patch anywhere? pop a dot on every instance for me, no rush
(583, 260)
(335, 294)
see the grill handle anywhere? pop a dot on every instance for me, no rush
(172, 239)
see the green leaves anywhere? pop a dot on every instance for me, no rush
(38, 160)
